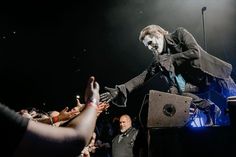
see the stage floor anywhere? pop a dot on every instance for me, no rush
(203, 141)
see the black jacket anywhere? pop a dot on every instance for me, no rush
(124, 147)
(188, 58)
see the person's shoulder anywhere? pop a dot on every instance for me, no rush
(115, 138)
(134, 129)
(180, 29)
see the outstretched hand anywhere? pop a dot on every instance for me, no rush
(92, 90)
(108, 96)
(103, 106)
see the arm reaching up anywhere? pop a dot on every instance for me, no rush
(44, 140)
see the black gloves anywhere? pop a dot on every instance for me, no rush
(108, 96)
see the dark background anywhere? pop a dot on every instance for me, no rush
(48, 50)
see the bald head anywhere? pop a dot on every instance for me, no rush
(125, 123)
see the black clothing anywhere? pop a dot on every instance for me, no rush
(123, 144)
(13, 127)
(183, 56)
(197, 67)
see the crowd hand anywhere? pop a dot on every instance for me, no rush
(85, 152)
(108, 96)
(91, 145)
(90, 148)
(33, 114)
(100, 144)
(92, 91)
(27, 115)
(103, 106)
(79, 105)
(67, 115)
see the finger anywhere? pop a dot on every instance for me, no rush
(78, 103)
(104, 100)
(107, 88)
(65, 109)
(96, 85)
(109, 100)
(89, 87)
(91, 81)
(101, 104)
(103, 95)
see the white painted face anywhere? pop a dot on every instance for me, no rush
(154, 43)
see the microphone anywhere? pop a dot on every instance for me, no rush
(204, 9)
(203, 24)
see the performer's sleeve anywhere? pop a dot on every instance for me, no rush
(190, 47)
(134, 83)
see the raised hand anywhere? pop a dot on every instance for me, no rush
(103, 106)
(92, 91)
(108, 96)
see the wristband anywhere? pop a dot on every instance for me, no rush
(92, 102)
(92, 105)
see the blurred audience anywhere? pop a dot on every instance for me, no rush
(30, 138)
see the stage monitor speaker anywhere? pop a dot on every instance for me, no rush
(232, 110)
(167, 110)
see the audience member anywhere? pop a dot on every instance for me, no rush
(125, 144)
(30, 138)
